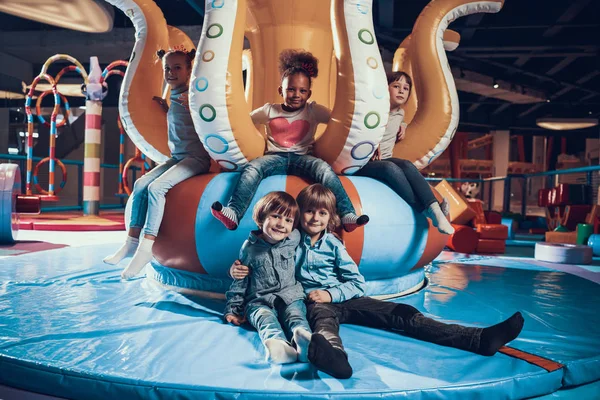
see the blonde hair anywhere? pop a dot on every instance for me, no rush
(276, 202)
(318, 196)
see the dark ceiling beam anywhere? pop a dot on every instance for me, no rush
(476, 104)
(501, 108)
(527, 73)
(565, 62)
(580, 81)
(580, 47)
(522, 60)
(531, 109)
(499, 54)
(574, 9)
(471, 22)
(459, 29)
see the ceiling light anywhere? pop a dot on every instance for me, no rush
(495, 85)
(566, 124)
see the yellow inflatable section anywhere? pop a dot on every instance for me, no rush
(351, 83)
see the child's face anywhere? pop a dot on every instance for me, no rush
(277, 227)
(314, 221)
(295, 90)
(176, 71)
(399, 91)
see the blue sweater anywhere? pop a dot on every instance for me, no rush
(183, 139)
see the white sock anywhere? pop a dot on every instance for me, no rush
(302, 340)
(445, 206)
(127, 250)
(280, 352)
(142, 256)
(439, 219)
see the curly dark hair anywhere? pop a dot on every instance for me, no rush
(189, 55)
(293, 62)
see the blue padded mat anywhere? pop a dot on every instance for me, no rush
(70, 327)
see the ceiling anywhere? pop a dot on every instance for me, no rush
(543, 54)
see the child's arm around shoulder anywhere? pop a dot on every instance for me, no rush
(234, 309)
(352, 281)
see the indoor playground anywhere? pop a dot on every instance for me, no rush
(501, 121)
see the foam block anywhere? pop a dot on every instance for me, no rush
(460, 211)
(477, 206)
(561, 237)
(492, 231)
(463, 240)
(493, 217)
(490, 246)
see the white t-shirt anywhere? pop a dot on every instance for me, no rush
(290, 132)
(386, 146)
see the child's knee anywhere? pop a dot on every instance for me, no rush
(405, 311)
(321, 311)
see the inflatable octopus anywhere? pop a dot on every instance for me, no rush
(391, 250)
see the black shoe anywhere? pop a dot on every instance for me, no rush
(327, 358)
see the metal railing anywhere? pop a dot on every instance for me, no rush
(22, 161)
(525, 179)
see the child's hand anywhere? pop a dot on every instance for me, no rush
(401, 133)
(319, 296)
(235, 319)
(162, 102)
(376, 155)
(238, 271)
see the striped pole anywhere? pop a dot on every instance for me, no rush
(93, 140)
(91, 157)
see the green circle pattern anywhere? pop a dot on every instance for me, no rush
(371, 39)
(211, 108)
(376, 124)
(212, 36)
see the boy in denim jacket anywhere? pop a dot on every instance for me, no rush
(271, 294)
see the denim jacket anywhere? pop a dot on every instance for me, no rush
(328, 266)
(272, 277)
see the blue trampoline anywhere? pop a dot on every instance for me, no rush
(69, 327)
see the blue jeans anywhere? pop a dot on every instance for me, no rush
(304, 166)
(403, 178)
(266, 320)
(149, 191)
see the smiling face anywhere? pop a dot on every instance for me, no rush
(399, 92)
(276, 227)
(295, 90)
(314, 221)
(176, 70)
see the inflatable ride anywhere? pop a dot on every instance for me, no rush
(397, 242)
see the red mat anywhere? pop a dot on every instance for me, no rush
(28, 246)
(74, 221)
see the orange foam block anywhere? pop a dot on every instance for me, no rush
(477, 206)
(492, 231)
(460, 211)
